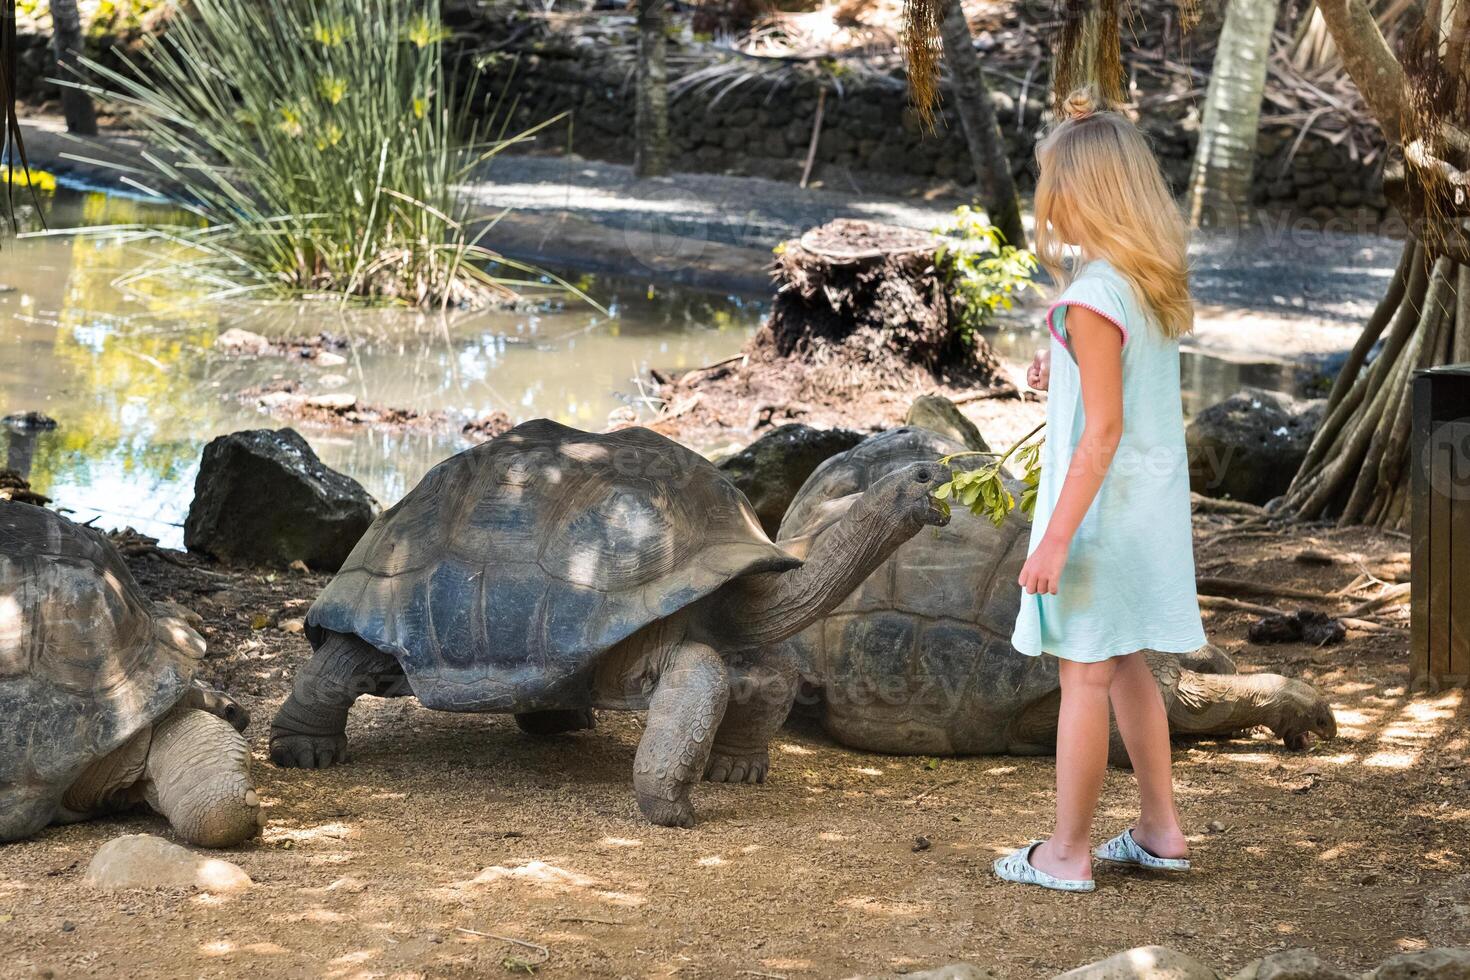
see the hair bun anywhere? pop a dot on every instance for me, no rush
(1079, 105)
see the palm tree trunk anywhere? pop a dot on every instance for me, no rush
(1220, 183)
(982, 133)
(651, 136)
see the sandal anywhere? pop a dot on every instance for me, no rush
(1123, 849)
(1017, 867)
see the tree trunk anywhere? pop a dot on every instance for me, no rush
(1358, 465)
(1220, 182)
(66, 41)
(651, 153)
(982, 133)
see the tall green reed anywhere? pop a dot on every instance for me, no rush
(316, 143)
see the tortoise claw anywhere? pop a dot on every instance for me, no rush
(308, 751)
(666, 813)
(737, 768)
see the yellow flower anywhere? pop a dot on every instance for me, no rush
(290, 123)
(331, 88)
(328, 35)
(330, 136)
(420, 106)
(424, 32)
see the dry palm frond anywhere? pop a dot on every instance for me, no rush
(921, 49)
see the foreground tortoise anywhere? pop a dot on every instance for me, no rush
(919, 660)
(551, 571)
(97, 692)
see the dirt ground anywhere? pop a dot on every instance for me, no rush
(453, 845)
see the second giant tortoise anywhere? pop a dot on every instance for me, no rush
(918, 659)
(99, 706)
(551, 571)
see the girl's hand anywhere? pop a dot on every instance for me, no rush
(1043, 570)
(1038, 375)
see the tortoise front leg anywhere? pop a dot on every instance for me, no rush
(686, 708)
(310, 730)
(198, 776)
(762, 689)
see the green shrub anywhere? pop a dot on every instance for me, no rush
(983, 272)
(315, 142)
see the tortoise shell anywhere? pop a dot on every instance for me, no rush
(86, 661)
(500, 579)
(919, 658)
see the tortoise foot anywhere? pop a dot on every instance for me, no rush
(308, 751)
(732, 768)
(666, 813)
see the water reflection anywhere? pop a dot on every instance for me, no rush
(138, 387)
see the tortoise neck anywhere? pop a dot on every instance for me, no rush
(766, 608)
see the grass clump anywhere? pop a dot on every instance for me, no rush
(315, 143)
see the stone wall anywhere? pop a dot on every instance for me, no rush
(871, 139)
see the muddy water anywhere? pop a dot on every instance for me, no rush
(135, 379)
(138, 385)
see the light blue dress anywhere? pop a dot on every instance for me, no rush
(1129, 579)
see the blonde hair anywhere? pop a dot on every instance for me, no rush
(1100, 183)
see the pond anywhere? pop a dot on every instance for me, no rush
(138, 384)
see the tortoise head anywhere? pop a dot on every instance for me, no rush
(769, 607)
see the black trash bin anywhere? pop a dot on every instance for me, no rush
(1440, 614)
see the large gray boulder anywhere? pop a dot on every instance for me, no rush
(263, 497)
(1249, 446)
(772, 469)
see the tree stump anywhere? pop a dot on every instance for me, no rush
(863, 303)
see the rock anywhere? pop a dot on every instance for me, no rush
(262, 497)
(772, 469)
(950, 971)
(332, 380)
(1426, 964)
(1293, 964)
(1143, 963)
(1249, 446)
(1304, 626)
(938, 414)
(145, 861)
(237, 341)
(327, 358)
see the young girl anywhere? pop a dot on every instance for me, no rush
(1111, 566)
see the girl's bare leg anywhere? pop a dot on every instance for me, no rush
(1144, 724)
(1082, 760)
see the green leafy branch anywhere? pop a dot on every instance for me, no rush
(984, 489)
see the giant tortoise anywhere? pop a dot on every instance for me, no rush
(100, 705)
(551, 571)
(919, 660)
